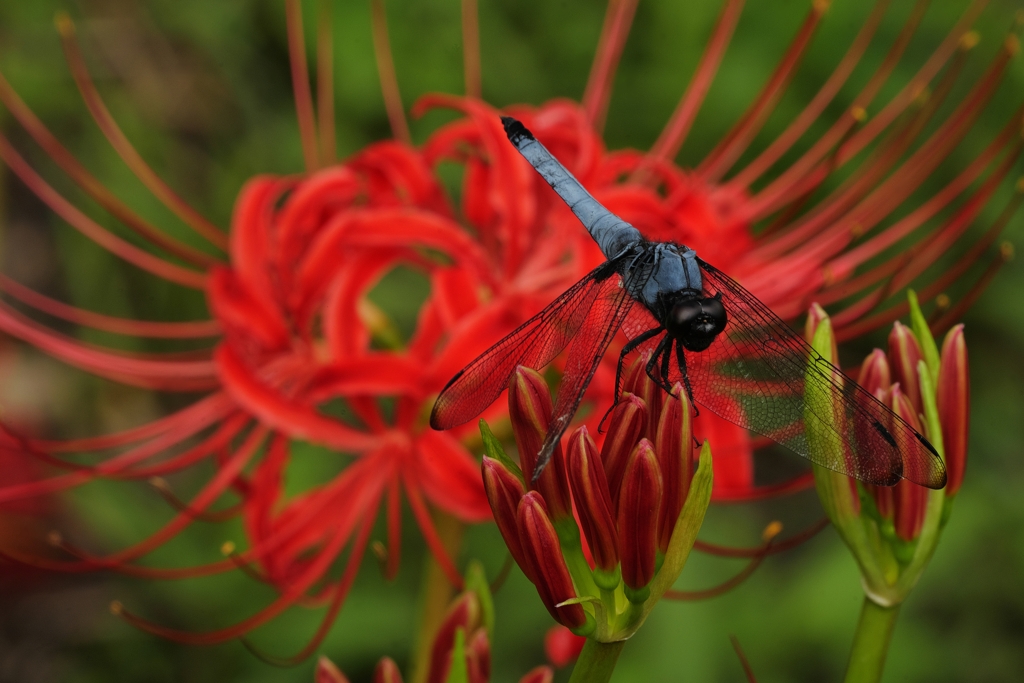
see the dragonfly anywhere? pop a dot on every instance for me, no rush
(700, 329)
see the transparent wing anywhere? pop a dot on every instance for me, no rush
(575, 316)
(754, 375)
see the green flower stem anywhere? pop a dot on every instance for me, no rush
(597, 662)
(871, 642)
(436, 594)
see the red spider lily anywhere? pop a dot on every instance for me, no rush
(296, 335)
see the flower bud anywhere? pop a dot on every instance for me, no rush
(464, 614)
(874, 373)
(954, 405)
(672, 445)
(650, 391)
(625, 426)
(504, 490)
(562, 646)
(593, 500)
(544, 563)
(815, 316)
(904, 354)
(639, 511)
(328, 672)
(386, 671)
(529, 406)
(910, 501)
(541, 674)
(478, 657)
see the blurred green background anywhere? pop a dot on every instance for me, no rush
(203, 90)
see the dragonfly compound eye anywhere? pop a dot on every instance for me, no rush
(696, 322)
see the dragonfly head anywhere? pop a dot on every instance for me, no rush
(696, 321)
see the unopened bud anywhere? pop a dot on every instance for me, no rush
(910, 501)
(673, 444)
(464, 614)
(328, 672)
(545, 565)
(954, 405)
(593, 500)
(640, 500)
(478, 657)
(650, 390)
(387, 671)
(504, 490)
(874, 373)
(904, 355)
(529, 407)
(625, 427)
(541, 674)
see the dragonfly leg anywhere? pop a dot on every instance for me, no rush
(681, 358)
(652, 364)
(665, 357)
(626, 350)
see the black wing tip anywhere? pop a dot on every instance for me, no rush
(938, 477)
(435, 420)
(515, 130)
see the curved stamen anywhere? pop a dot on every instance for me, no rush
(164, 489)
(171, 375)
(617, 21)
(770, 533)
(325, 82)
(821, 100)
(859, 324)
(386, 72)
(748, 670)
(735, 142)
(429, 531)
(471, 47)
(93, 187)
(106, 323)
(98, 234)
(675, 131)
(300, 83)
(800, 482)
(768, 199)
(217, 403)
(1005, 255)
(340, 592)
(118, 140)
(779, 547)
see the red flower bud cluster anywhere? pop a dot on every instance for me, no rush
(895, 380)
(628, 494)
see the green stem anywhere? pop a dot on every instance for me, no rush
(871, 642)
(436, 593)
(596, 662)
